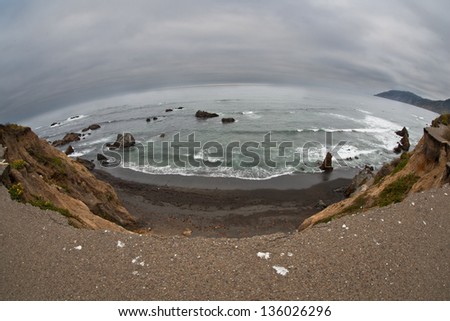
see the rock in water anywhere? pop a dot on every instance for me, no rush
(123, 141)
(101, 157)
(69, 150)
(91, 127)
(327, 164)
(404, 143)
(205, 114)
(148, 120)
(168, 110)
(228, 120)
(69, 138)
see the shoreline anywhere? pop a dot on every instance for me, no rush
(224, 207)
(296, 181)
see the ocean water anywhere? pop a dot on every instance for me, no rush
(358, 129)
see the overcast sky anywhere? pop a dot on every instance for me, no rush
(57, 53)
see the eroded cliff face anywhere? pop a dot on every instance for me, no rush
(427, 166)
(43, 176)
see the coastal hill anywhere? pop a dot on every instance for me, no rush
(437, 106)
(426, 167)
(43, 176)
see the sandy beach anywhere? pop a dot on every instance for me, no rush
(224, 207)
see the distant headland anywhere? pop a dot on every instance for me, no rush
(407, 97)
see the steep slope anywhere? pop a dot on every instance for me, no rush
(45, 177)
(428, 166)
(438, 106)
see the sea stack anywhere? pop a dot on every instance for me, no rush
(404, 143)
(327, 164)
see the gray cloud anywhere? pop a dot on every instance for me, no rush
(54, 54)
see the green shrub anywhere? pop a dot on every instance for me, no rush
(18, 164)
(397, 191)
(47, 205)
(16, 192)
(357, 205)
(402, 163)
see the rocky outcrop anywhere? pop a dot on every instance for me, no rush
(204, 114)
(69, 150)
(361, 181)
(91, 127)
(327, 164)
(43, 176)
(404, 144)
(68, 138)
(228, 120)
(426, 167)
(2, 152)
(86, 163)
(123, 141)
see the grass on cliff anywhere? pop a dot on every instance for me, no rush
(444, 119)
(47, 205)
(401, 163)
(396, 191)
(359, 203)
(16, 193)
(392, 168)
(18, 164)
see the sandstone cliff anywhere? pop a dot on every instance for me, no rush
(426, 167)
(43, 176)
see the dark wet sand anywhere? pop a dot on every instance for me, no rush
(216, 207)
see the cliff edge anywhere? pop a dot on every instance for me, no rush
(426, 167)
(41, 175)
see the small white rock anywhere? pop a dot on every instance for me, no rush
(120, 244)
(281, 270)
(413, 204)
(424, 223)
(290, 254)
(79, 247)
(263, 255)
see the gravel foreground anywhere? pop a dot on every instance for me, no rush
(401, 252)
